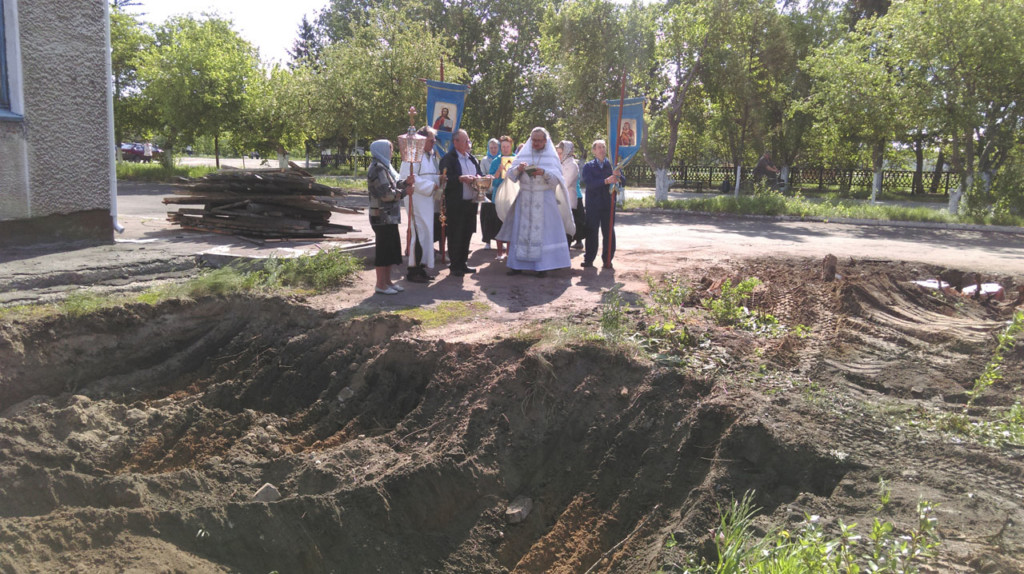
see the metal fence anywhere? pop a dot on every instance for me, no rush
(710, 178)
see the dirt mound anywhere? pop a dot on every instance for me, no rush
(136, 438)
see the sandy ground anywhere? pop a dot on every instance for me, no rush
(136, 439)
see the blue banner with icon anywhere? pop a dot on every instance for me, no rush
(624, 142)
(445, 103)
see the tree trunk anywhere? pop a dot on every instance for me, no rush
(877, 161)
(784, 174)
(739, 171)
(216, 150)
(986, 181)
(917, 187)
(937, 174)
(662, 182)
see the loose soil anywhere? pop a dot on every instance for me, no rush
(133, 440)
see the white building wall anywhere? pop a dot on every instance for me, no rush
(55, 157)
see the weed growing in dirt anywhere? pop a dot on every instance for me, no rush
(993, 371)
(613, 316)
(999, 428)
(446, 312)
(730, 308)
(316, 273)
(811, 550)
(1004, 428)
(83, 303)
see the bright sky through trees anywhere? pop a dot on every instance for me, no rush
(269, 25)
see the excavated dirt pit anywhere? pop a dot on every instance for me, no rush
(135, 439)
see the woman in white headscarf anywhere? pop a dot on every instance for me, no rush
(536, 217)
(386, 192)
(571, 173)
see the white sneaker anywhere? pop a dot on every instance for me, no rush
(385, 291)
(487, 246)
(397, 287)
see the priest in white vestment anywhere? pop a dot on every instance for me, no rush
(534, 207)
(426, 187)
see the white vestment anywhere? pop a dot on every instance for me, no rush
(424, 188)
(534, 225)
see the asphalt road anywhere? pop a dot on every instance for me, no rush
(709, 236)
(152, 247)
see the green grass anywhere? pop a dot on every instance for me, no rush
(810, 550)
(829, 208)
(158, 172)
(318, 273)
(446, 312)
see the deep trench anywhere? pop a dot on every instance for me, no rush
(391, 452)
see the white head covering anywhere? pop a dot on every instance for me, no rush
(381, 152)
(546, 159)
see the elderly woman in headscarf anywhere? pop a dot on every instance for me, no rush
(571, 173)
(386, 192)
(489, 222)
(537, 215)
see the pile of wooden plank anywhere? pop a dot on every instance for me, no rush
(263, 203)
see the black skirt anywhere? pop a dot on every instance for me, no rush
(579, 217)
(388, 250)
(490, 225)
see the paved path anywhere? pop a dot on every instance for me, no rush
(151, 248)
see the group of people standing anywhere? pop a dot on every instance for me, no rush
(535, 214)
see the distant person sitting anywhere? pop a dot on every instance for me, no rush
(764, 167)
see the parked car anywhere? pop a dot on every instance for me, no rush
(135, 152)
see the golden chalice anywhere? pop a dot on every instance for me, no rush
(482, 185)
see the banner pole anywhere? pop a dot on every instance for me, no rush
(615, 186)
(444, 204)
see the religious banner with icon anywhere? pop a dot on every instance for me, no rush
(445, 103)
(626, 140)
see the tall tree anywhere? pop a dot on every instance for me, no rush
(859, 92)
(196, 76)
(969, 61)
(588, 67)
(307, 48)
(272, 118)
(685, 38)
(369, 81)
(129, 41)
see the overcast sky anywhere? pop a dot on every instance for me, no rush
(270, 26)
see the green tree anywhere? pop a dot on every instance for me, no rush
(370, 80)
(587, 46)
(307, 48)
(196, 76)
(685, 34)
(129, 40)
(272, 118)
(858, 92)
(968, 56)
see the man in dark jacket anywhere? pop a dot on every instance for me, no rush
(598, 175)
(461, 169)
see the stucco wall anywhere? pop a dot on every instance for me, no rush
(63, 136)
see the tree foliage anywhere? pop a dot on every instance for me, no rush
(196, 75)
(822, 82)
(129, 42)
